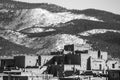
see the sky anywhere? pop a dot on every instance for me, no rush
(108, 5)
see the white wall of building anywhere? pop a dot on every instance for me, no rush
(104, 55)
(98, 64)
(94, 54)
(84, 58)
(31, 60)
(110, 64)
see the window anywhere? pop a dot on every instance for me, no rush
(113, 65)
(100, 66)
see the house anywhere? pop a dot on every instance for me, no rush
(98, 64)
(26, 61)
(112, 64)
(98, 54)
(98, 60)
(6, 62)
(93, 60)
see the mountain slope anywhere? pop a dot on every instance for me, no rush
(27, 28)
(10, 4)
(26, 18)
(99, 14)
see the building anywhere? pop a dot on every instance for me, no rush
(11, 75)
(97, 60)
(93, 60)
(26, 61)
(6, 62)
(98, 54)
(85, 61)
(98, 64)
(112, 64)
(64, 62)
(69, 49)
(113, 74)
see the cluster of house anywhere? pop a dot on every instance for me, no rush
(62, 63)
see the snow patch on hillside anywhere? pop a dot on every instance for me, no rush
(34, 30)
(97, 31)
(14, 37)
(37, 30)
(52, 42)
(49, 30)
(49, 18)
(65, 39)
(4, 11)
(27, 18)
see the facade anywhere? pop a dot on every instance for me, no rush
(98, 60)
(6, 62)
(98, 64)
(72, 59)
(84, 61)
(98, 54)
(26, 61)
(112, 64)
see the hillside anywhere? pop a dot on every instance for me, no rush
(27, 28)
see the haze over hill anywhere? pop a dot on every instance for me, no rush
(42, 28)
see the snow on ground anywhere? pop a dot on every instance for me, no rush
(34, 30)
(43, 18)
(66, 39)
(38, 30)
(55, 18)
(56, 42)
(14, 37)
(97, 31)
(4, 11)
(49, 30)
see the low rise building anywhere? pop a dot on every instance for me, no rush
(98, 60)
(112, 64)
(84, 61)
(26, 61)
(98, 54)
(6, 62)
(98, 64)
